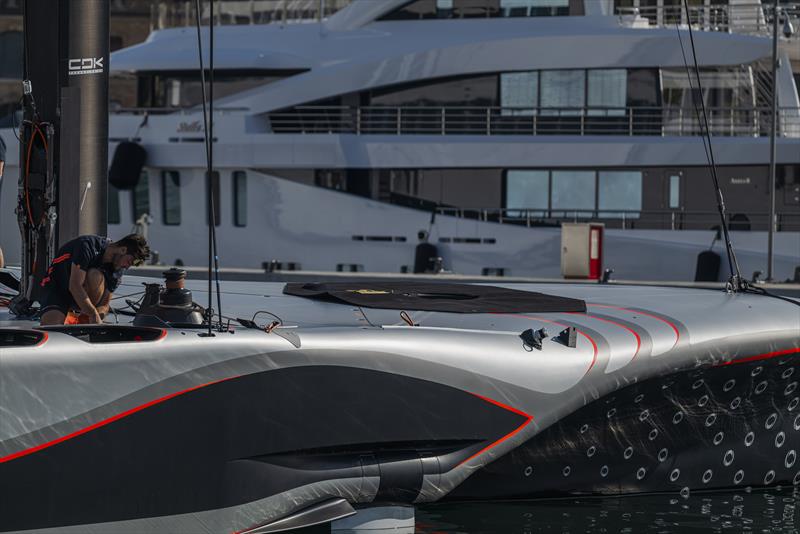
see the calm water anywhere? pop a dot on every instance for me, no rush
(763, 511)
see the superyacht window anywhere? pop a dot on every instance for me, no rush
(563, 91)
(573, 193)
(519, 90)
(141, 197)
(460, 9)
(182, 88)
(607, 89)
(527, 191)
(335, 179)
(215, 193)
(675, 191)
(113, 205)
(463, 91)
(534, 8)
(619, 190)
(240, 198)
(171, 197)
(11, 55)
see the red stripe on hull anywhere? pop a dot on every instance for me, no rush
(657, 318)
(765, 356)
(528, 419)
(104, 422)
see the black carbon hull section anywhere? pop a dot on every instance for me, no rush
(719, 427)
(248, 438)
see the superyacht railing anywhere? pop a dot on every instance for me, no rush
(628, 121)
(231, 12)
(626, 219)
(751, 18)
(174, 110)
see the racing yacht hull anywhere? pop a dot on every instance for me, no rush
(127, 428)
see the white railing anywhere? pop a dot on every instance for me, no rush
(751, 18)
(626, 219)
(628, 121)
(229, 12)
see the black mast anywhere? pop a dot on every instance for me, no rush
(64, 136)
(83, 166)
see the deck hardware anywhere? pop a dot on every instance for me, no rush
(533, 338)
(271, 326)
(569, 337)
(407, 319)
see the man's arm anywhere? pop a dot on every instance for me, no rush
(77, 277)
(2, 164)
(104, 305)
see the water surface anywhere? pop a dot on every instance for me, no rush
(771, 511)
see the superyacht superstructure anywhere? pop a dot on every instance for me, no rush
(486, 123)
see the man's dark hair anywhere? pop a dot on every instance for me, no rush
(136, 246)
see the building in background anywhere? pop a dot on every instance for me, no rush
(131, 23)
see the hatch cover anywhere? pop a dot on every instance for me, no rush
(454, 298)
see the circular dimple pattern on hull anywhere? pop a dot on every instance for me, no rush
(717, 427)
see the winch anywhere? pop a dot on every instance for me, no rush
(172, 304)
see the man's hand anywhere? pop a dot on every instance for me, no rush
(77, 277)
(104, 306)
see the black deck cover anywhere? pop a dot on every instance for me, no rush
(454, 298)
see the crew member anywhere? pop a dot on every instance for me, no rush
(2, 164)
(85, 273)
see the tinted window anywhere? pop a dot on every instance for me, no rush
(141, 197)
(113, 205)
(11, 55)
(472, 91)
(214, 196)
(571, 191)
(675, 191)
(643, 88)
(419, 9)
(619, 190)
(519, 90)
(563, 89)
(442, 9)
(534, 8)
(607, 89)
(527, 190)
(240, 198)
(171, 197)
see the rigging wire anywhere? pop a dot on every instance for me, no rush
(208, 107)
(210, 141)
(736, 282)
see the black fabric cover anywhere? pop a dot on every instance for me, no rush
(454, 298)
(708, 263)
(126, 166)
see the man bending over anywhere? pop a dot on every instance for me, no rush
(84, 274)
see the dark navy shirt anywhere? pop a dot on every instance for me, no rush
(2, 149)
(86, 252)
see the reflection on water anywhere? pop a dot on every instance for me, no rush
(770, 511)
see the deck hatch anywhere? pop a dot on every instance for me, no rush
(110, 333)
(454, 298)
(12, 337)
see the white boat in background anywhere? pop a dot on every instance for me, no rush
(337, 140)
